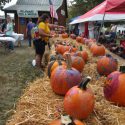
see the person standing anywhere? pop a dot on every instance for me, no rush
(9, 30)
(29, 27)
(91, 30)
(44, 28)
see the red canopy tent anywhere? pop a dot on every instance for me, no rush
(115, 6)
(102, 12)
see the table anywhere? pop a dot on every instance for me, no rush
(18, 37)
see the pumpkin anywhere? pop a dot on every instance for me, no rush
(77, 54)
(79, 100)
(114, 89)
(62, 78)
(58, 48)
(98, 50)
(79, 39)
(78, 63)
(84, 54)
(61, 49)
(53, 64)
(73, 36)
(64, 35)
(54, 57)
(66, 120)
(106, 65)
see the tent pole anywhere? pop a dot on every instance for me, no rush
(102, 24)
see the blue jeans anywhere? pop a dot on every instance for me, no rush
(29, 40)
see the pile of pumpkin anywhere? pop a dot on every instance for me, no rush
(66, 78)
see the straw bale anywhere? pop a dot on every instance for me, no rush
(39, 104)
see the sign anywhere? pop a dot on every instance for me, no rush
(27, 13)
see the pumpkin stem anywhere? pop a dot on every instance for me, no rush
(80, 48)
(84, 83)
(67, 120)
(122, 69)
(69, 61)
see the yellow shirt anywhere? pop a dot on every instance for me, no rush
(46, 29)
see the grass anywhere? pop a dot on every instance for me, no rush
(16, 72)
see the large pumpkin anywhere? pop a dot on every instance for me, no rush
(114, 89)
(54, 64)
(62, 78)
(106, 65)
(66, 120)
(98, 50)
(79, 101)
(78, 63)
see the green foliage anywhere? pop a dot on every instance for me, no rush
(79, 7)
(2, 2)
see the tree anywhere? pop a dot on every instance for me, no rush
(2, 2)
(79, 7)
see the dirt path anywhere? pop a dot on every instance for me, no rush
(15, 72)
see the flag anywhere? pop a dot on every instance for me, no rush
(53, 13)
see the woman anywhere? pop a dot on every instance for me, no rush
(44, 35)
(8, 31)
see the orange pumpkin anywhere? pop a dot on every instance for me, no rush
(66, 121)
(114, 89)
(79, 39)
(54, 64)
(84, 55)
(62, 78)
(78, 63)
(91, 45)
(79, 101)
(61, 49)
(106, 65)
(58, 48)
(64, 35)
(98, 50)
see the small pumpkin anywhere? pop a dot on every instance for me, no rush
(79, 39)
(66, 120)
(62, 78)
(106, 65)
(79, 100)
(64, 35)
(84, 54)
(114, 89)
(98, 50)
(78, 63)
(54, 57)
(54, 64)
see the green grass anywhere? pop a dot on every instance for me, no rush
(16, 72)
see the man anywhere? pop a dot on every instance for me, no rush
(30, 25)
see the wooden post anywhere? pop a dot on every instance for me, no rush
(19, 43)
